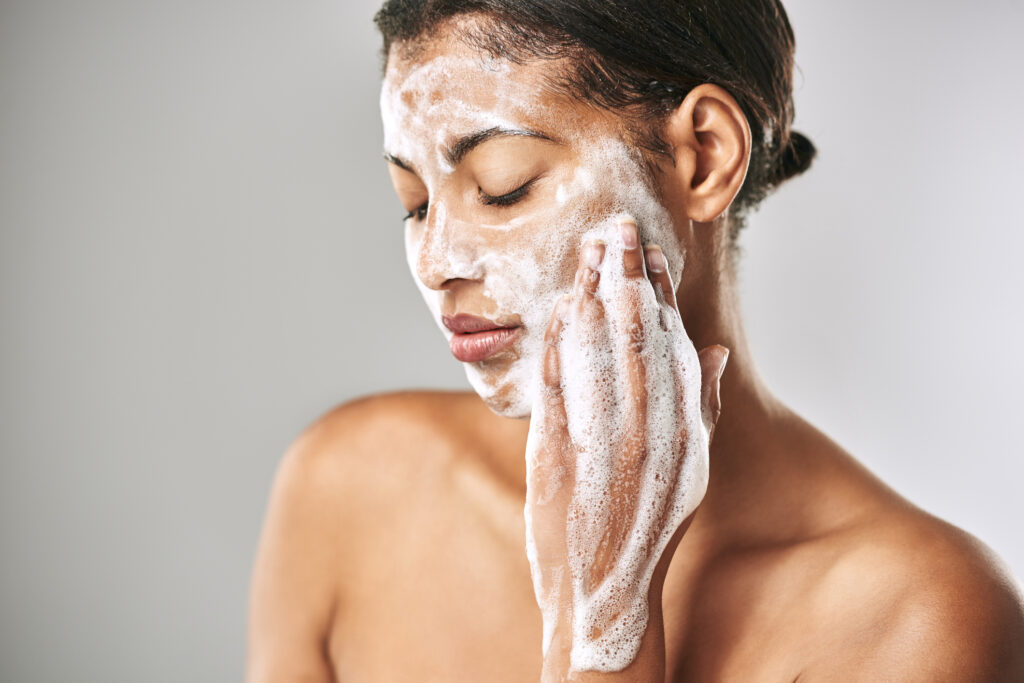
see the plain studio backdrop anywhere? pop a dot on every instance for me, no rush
(201, 253)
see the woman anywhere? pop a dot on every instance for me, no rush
(575, 175)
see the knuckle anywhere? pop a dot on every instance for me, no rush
(553, 398)
(593, 313)
(636, 334)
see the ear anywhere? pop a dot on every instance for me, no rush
(710, 140)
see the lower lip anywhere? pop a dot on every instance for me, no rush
(478, 346)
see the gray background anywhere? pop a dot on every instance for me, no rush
(201, 253)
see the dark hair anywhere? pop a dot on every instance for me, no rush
(642, 57)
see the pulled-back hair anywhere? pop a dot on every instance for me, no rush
(642, 57)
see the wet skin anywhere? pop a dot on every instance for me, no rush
(393, 548)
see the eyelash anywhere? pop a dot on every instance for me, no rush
(419, 213)
(508, 199)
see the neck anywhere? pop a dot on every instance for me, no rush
(710, 308)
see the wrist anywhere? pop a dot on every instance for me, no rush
(578, 652)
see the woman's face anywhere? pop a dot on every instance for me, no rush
(504, 181)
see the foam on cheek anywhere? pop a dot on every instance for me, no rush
(539, 270)
(582, 181)
(527, 272)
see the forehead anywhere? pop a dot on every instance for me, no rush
(447, 66)
(446, 89)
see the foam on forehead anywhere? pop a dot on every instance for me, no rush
(425, 106)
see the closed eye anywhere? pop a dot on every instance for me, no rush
(509, 198)
(419, 213)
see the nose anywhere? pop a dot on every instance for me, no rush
(445, 252)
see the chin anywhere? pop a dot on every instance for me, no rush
(505, 395)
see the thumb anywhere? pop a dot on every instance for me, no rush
(712, 365)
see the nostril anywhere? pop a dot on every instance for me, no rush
(435, 273)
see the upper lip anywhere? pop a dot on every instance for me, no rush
(464, 323)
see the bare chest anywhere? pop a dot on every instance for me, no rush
(444, 594)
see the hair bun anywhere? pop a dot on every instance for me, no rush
(796, 157)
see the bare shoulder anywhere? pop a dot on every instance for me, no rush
(364, 421)
(920, 599)
(390, 420)
(332, 489)
(362, 451)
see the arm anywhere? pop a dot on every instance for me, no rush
(292, 594)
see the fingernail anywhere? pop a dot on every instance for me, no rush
(592, 254)
(656, 259)
(629, 236)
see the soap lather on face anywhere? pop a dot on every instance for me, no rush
(511, 262)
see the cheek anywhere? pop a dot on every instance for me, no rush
(541, 254)
(536, 260)
(413, 240)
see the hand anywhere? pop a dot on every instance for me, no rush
(617, 455)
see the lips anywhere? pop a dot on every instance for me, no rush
(476, 339)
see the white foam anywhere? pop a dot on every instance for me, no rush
(672, 486)
(526, 265)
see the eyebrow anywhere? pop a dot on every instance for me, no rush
(466, 144)
(463, 146)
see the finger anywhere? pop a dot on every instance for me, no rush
(657, 271)
(552, 371)
(588, 275)
(589, 311)
(591, 256)
(712, 365)
(636, 386)
(546, 463)
(554, 419)
(632, 255)
(590, 260)
(629, 460)
(554, 331)
(551, 338)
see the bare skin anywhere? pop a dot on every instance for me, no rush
(393, 548)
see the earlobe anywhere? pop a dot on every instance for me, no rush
(710, 140)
